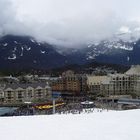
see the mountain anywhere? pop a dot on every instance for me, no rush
(116, 52)
(24, 52)
(108, 51)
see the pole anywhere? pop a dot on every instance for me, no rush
(53, 106)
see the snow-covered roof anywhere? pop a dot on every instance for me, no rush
(92, 79)
(87, 103)
(134, 70)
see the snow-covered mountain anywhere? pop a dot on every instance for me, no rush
(108, 47)
(116, 50)
(24, 52)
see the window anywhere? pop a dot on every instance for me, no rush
(39, 93)
(29, 94)
(9, 95)
(19, 94)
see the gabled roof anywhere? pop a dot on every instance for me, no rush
(26, 85)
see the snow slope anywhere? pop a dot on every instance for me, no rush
(112, 125)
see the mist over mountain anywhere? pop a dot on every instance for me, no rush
(26, 53)
(70, 23)
(46, 34)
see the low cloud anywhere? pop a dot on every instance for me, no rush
(69, 22)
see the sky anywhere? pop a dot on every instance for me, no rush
(69, 22)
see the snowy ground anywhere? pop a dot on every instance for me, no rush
(111, 125)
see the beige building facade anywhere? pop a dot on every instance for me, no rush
(116, 84)
(20, 93)
(94, 83)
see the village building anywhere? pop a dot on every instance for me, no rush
(94, 83)
(123, 84)
(20, 93)
(70, 82)
(116, 84)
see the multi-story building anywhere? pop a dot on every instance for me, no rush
(70, 82)
(134, 72)
(94, 83)
(123, 84)
(117, 84)
(58, 84)
(20, 93)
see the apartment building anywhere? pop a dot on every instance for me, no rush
(123, 84)
(20, 93)
(94, 83)
(117, 84)
(134, 71)
(70, 82)
(58, 84)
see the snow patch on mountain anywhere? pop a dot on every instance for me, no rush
(5, 44)
(12, 57)
(15, 42)
(128, 58)
(22, 49)
(32, 40)
(119, 45)
(14, 50)
(43, 52)
(27, 48)
(106, 47)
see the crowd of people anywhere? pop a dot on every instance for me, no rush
(71, 106)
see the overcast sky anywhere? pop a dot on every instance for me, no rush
(68, 22)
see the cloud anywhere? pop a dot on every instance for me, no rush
(69, 22)
(6, 13)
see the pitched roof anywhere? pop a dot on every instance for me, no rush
(26, 85)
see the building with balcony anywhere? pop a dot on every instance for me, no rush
(70, 82)
(116, 84)
(20, 93)
(123, 84)
(94, 83)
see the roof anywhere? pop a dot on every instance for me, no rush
(134, 70)
(106, 80)
(95, 79)
(24, 86)
(117, 75)
(129, 101)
